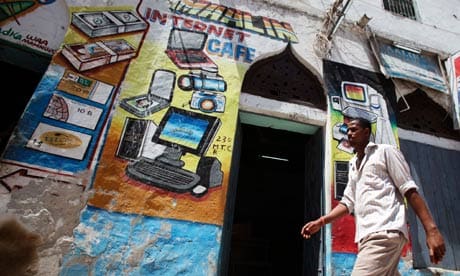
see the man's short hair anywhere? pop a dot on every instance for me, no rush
(363, 122)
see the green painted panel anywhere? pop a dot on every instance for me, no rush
(276, 123)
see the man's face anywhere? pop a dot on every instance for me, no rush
(357, 135)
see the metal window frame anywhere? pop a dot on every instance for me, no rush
(405, 8)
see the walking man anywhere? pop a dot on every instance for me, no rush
(378, 181)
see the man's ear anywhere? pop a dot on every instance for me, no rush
(368, 131)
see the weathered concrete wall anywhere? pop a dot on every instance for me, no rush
(64, 176)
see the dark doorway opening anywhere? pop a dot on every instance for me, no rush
(269, 204)
(24, 82)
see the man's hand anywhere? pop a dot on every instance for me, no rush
(436, 246)
(311, 228)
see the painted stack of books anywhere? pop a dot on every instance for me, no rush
(85, 56)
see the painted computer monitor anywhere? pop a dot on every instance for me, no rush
(191, 132)
(356, 101)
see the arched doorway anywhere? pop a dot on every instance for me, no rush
(280, 180)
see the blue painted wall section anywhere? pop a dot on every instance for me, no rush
(18, 150)
(124, 244)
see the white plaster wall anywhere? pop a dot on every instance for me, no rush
(306, 26)
(306, 21)
(437, 29)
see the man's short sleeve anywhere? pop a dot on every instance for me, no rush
(399, 170)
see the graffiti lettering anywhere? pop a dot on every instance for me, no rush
(82, 110)
(39, 46)
(216, 148)
(156, 16)
(223, 139)
(180, 22)
(227, 49)
(29, 39)
(10, 32)
(37, 40)
(235, 19)
(222, 143)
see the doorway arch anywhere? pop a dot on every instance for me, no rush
(267, 88)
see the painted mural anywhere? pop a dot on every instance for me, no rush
(31, 25)
(170, 141)
(140, 104)
(355, 92)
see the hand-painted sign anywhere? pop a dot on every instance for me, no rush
(414, 66)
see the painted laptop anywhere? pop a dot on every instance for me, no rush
(159, 95)
(185, 49)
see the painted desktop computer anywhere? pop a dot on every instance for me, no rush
(355, 101)
(181, 131)
(361, 100)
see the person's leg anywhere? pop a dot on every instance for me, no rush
(379, 254)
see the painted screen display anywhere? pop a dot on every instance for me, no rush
(355, 93)
(184, 130)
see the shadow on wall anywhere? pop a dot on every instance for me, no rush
(18, 247)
